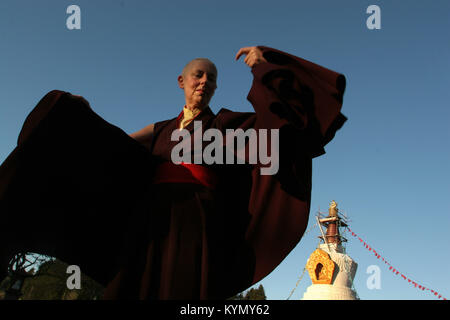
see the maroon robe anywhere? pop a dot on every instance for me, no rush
(80, 189)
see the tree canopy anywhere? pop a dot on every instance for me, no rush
(251, 294)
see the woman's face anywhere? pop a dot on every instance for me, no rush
(198, 83)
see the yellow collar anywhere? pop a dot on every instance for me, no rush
(188, 116)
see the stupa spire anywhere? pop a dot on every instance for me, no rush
(333, 235)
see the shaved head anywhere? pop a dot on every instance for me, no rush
(188, 66)
(198, 80)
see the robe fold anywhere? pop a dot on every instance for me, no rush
(80, 189)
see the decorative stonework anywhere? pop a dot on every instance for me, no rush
(340, 287)
(320, 267)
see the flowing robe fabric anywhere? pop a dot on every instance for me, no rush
(80, 189)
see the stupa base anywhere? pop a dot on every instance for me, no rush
(329, 292)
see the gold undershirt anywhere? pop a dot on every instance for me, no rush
(188, 116)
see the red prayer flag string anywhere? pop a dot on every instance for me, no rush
(394, 270)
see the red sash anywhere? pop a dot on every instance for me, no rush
(168, 172)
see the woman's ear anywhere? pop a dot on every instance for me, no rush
(180, 82)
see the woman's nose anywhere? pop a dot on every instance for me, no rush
(204, 80)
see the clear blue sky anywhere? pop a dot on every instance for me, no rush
(388, 167)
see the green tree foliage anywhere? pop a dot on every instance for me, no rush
(252, 294)
(49, 283)
(239, 296)
(256, 294)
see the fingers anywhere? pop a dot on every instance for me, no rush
(253, 57)
(247, 59)
(242, 51)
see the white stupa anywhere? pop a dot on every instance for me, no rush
(331, 270)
